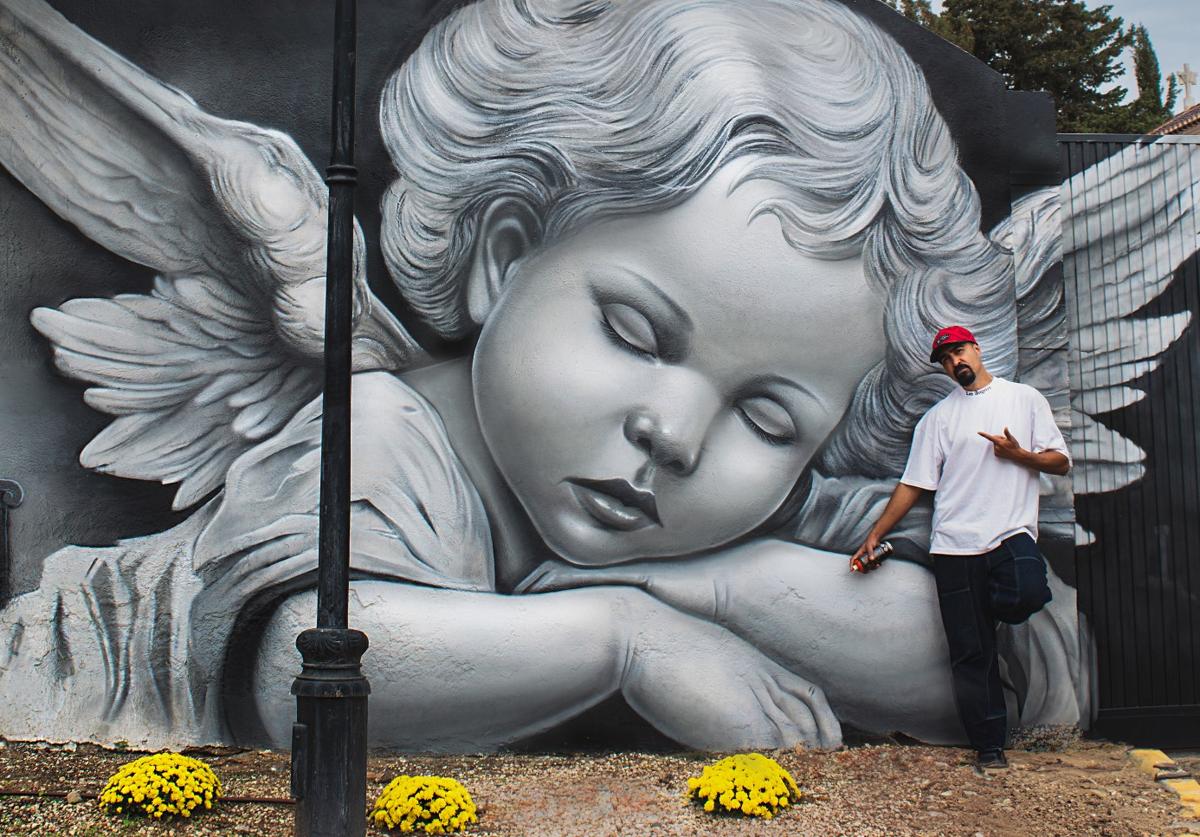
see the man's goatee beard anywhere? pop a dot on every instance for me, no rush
(964, 376)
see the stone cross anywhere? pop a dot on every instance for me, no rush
(1187, 77)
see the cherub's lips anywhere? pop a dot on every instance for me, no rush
(616, 504)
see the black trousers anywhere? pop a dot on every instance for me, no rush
(1007, 584)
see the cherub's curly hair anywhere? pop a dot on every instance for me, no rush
(583, 108)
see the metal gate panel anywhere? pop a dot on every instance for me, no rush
(1138, 581)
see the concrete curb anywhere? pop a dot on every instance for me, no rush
(1165, 771)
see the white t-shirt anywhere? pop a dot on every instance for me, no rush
(981, 499)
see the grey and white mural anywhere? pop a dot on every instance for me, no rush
(674, 265)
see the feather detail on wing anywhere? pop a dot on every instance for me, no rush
(232, 217)
(1123, 226)
(1130, 222)
(1032, 233)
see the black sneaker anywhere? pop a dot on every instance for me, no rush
(991, 760)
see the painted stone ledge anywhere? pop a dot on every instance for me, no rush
(1167, 772)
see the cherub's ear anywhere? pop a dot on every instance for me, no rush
(508, 231)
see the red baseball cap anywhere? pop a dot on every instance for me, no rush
(947, 337)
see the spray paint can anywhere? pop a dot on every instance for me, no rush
(878, 554)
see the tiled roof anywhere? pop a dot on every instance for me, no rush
(1177, 123)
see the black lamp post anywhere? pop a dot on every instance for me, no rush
(11, 496)
(329, 739)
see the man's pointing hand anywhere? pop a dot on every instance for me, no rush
(1006, 446)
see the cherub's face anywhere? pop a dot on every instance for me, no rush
(655, 386)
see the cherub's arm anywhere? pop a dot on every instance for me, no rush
(452, 670)
(874, 644)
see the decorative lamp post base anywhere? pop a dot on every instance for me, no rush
(329, 738)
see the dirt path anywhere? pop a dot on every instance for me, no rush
(1089, 788)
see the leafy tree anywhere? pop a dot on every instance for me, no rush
(1060, 46)
(954, 30)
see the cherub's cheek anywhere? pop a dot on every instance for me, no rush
(751, 470)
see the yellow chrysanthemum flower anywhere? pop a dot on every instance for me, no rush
(749, 784)
(164, 783)
(432, 804)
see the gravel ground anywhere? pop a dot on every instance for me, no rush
(890, 789)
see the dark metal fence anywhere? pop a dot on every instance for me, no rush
(1139, 582)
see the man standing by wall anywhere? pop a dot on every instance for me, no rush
(981, 450)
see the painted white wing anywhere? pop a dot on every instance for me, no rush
(1130, 221)
(228, 345)
(1122, 228)
(1032, 233)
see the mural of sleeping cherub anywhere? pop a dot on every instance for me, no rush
(695, 250)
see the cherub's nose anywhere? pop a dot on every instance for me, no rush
(672, 433)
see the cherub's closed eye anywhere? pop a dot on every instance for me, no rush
(769, 419)
(629, 328)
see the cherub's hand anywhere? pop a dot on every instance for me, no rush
(1006, 446)
(709, 689)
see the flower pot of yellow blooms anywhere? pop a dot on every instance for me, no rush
(748, 784)
(432, 804)
(161, 785)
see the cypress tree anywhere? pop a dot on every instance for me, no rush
(1149, 109)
